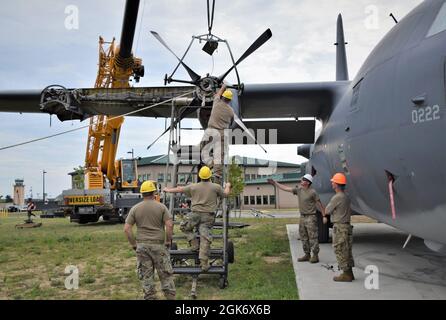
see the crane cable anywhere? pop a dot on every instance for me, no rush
(140, 26)
(86, 126)
(210, 16)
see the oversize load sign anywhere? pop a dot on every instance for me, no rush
(77, 200)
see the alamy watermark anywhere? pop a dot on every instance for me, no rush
(214, 148)
(72, 280)
(371, 281)
(372, 20)
(72, 17)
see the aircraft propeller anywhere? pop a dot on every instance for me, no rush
(196, 79)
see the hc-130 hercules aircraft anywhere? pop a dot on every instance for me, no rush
(385, 129)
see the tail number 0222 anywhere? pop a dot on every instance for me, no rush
(426, 114)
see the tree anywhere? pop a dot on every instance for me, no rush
(78, 178)
(236, 178)
(8, 198)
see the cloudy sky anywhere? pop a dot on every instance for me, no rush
(37, 49)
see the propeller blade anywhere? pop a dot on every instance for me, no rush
(195, 77)
(257, 44)
(246, 130)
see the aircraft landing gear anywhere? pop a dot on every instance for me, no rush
(324, 229)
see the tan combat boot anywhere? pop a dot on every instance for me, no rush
(346, 276)
(305, 258)
(350, 272)
(314, 258)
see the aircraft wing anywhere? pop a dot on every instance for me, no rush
(69, 104)
(291, 100)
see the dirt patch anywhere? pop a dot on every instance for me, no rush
(273, 260)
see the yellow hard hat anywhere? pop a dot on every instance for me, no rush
(148, 186)
(205, 173)
(227, 94)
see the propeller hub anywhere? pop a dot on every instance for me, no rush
(206, 88)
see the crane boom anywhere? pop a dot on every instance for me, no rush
(116, 66)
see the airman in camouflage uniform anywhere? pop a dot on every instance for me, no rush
(152, 243)
(309, 202)
(213, 141)
(149, 258)
(340, 211)
(205, 197)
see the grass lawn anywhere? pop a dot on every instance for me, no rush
(33, 262)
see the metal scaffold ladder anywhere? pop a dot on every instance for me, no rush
(185, 261)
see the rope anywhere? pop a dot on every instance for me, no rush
(86, 126)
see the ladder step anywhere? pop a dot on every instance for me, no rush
(189, 254)
(183, 237)
(231, 225)
(197, 270)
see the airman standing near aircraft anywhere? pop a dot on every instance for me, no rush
(153, 222)
(205, 197)
(339, 209)
(221, 118)
(308, 228)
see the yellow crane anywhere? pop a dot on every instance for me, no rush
(104, 131)
(117, 66)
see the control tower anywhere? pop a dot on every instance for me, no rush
(19, 192)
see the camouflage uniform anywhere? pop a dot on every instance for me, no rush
(203, 222)
(205, 198)
(308, 232)
(220, 119)
(308, 227)
(213, 147)
(151, 257)
(151, 252)
(339, 209)
(342, 244)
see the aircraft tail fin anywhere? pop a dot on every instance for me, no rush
(341, 55)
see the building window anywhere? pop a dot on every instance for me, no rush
(160, 177)
(272, 200)
(259, 200)
(169, 177)
(252, 200)
(181, 178)
(253, 177)
(140, 178)
(247, 177)
(265, 200)
(246, 200)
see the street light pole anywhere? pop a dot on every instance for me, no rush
(43, 172)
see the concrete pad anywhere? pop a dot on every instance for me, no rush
(411, 274)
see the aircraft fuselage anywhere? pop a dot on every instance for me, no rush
(392, 122)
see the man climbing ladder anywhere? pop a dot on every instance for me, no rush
(205, 197)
